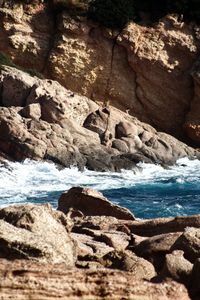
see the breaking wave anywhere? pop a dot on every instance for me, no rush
(148, 191)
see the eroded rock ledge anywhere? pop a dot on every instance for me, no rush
(40, 119)
(47, 254)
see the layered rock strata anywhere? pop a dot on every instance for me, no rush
(26, 280)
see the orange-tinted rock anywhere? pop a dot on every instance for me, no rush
(107, 66)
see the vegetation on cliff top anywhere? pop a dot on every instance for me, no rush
(116, 13)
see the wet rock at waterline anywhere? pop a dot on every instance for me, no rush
(40, 119)
(91, 203)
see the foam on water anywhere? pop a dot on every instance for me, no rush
(149, 191)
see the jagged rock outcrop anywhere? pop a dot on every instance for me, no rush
(35, 232)
(40, 119)
(146, 248)
(110, 66)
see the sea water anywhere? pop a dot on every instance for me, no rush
(149, 191)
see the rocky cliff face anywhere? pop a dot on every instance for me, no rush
(147, 71)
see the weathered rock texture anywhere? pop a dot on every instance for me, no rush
(149, 249)
(91, 203)
(35, 233)
(45, 254)
(40, 119)
(144, 70)
(27, 280)
(189, 242)
(177, 267)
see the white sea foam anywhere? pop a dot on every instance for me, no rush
(21, 181)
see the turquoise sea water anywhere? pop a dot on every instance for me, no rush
(149, 191)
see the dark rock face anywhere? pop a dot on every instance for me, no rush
(155, 248)
(194, 280)
(40, 119)
(91, 203)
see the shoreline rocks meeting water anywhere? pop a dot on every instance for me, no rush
(40, 119)
(80, 95)
(90, 253)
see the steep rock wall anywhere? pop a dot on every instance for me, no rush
(146, 71)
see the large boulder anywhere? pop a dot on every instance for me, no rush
(189, 242)
(36, 232)
(128, 261)
(177, 267)
(91, 203)
(155, 248)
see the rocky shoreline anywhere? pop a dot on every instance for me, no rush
(91, 253)
(110, 100)
(40, 119)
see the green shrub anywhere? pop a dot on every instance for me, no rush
(116, 13)
(73, 6)
(112, 13)
(33, 73)
(5, 60)
(189, 9)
